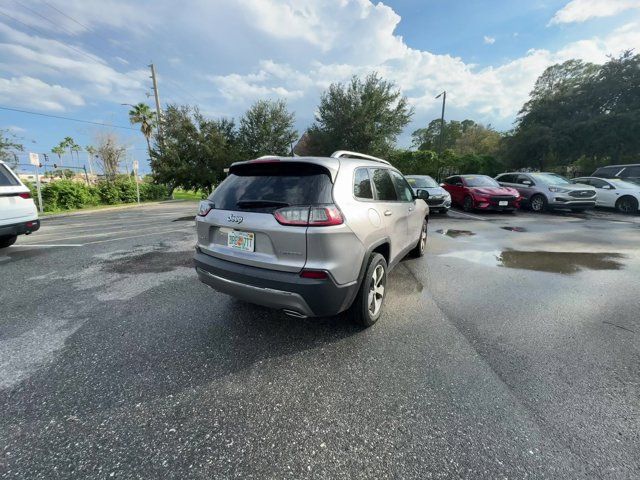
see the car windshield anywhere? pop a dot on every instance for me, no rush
(550, 178)
(422, 182)
(480, 181)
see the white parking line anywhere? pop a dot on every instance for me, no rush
(47, 245)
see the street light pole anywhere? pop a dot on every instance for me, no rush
(444, 101)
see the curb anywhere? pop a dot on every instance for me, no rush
(108, 209)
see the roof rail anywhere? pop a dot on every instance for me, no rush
(347, 153)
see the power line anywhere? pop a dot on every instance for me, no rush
(66, 118)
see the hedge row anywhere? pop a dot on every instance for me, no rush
(69, 194)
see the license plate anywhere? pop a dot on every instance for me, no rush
(241, 241)
(503, 203)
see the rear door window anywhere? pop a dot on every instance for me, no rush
(362, 184)
(267, 187)
(385, 191)
(405, 193)
(6, 179)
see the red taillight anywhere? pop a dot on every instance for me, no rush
(25, 195)
(205, 208)
(314, 216)
(314, 274)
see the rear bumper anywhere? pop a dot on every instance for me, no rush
(274, 289)
(21, 228)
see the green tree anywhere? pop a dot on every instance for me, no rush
(143, 115)
(267, 128)
(195, 150)
(364, 115)
(428, 138)
(477, 139)
(58, 150)
(8, 142)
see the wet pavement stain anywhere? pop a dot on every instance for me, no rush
(455, 233)
(560, 262)
(514, 229)
(188, 218)
(151, 262)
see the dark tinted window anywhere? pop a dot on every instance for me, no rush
(508, 178)
(384, 185)
(607, 172)
(405, 193)
(630, 172)
(362, 184)
(596, 182)
(521, 179)
(6, 179)
(266, 187)
(453, 181)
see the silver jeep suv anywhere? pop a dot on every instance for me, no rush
(312, 236)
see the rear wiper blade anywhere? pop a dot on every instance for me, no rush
(261, 203)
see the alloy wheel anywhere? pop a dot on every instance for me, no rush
(376, 290)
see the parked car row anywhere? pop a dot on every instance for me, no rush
(537, 191)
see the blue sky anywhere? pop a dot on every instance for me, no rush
(82, 59)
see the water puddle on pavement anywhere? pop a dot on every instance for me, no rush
(565, 263)
(514, 229)
(150, 262)
(455, 233)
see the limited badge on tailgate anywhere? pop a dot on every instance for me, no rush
(241, 240)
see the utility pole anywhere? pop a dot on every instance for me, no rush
(157, 96)
(444, 101)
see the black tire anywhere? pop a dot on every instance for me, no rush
(538, 203)
(444, 211)
(421, 246)
(627, 205)
(467, 205)
(8, 241)
(360, 311)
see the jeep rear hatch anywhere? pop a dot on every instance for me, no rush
(259, 215)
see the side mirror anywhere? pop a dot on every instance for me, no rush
(422, 194)
(527, 183)
(608, 187)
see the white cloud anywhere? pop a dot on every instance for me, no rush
(582, 10)
(489, 40)
(29, 92)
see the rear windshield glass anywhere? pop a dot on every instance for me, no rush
(480, 181)
(6, 179)
(422, 182)
(267, 187)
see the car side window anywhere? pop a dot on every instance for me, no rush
(522, 179)
(383, 184)
(362, 184)
(453, 181)
(630, 172)
(596, 182)
(405, 193)
(506, 178)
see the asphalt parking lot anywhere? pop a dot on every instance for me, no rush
(511, 350)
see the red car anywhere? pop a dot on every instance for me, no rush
(481, 192)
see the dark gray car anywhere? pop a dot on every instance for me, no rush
(541, 191)
(439, 199)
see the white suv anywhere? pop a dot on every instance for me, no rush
(18, 213)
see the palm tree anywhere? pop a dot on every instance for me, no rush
(58, 150)
(91, 151)
(142, 114)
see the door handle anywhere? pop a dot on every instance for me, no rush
(411, 209)
(388, 213)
